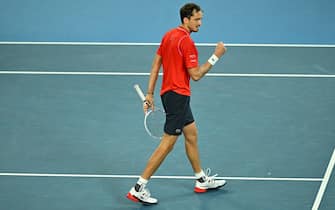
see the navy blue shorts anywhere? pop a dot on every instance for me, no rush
(178, 112)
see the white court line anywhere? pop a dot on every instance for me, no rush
(156, 44)
(324, 182)
(76, 73)
(147, 74)
(156, 177)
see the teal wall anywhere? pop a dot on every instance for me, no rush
(233, 21)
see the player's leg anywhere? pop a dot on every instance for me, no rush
(139, 193)
(204, 181)
(156, 159)
(191, 146)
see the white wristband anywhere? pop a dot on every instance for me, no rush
(213, 59)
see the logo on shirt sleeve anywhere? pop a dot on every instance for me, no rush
(193, 58)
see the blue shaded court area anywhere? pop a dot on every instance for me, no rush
(72, 136)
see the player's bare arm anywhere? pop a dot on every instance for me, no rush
(156, 65)
(198, 72)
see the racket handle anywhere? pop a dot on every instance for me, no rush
(139, 92)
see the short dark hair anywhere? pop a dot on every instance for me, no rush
(187, 10)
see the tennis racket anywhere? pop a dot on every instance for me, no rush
(154, 119)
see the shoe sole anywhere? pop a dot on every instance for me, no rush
(199, 190)
(137, 200)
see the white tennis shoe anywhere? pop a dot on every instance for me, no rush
(142, 196)
(208, 183)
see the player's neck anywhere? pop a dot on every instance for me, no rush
(185, 28)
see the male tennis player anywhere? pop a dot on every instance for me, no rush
(179, 57)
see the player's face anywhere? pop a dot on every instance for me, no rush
(194, 22)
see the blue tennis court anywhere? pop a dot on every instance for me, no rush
(72, 133)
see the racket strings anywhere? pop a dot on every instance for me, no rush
(154, 123)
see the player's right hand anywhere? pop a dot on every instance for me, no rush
(148, 103)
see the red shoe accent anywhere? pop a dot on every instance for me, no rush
(133, 198)
(199, 190)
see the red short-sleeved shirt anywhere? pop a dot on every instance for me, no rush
(178, 53)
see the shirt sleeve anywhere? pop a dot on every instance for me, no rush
(159, 50)
(190, 53)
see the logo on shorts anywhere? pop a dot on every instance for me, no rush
(178, 130)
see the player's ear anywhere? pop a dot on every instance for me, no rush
(186, 20)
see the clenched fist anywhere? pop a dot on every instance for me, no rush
(220, 49)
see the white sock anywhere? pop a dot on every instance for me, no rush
(140, 184)
(200, 174)
(142, 181)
